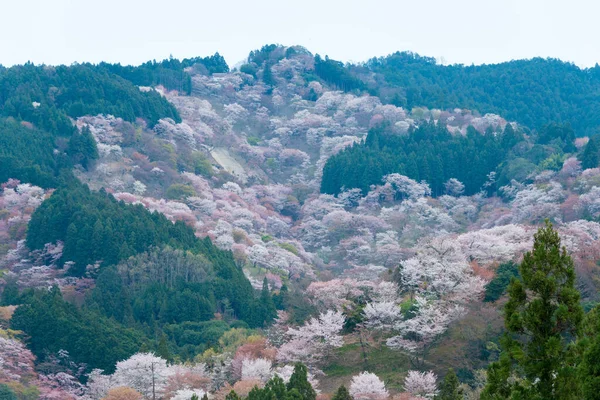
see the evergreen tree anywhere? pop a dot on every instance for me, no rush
(266, 306)
(276, 386)
(589, 351)
(6, 393)
(268, 75)
(232, 396)
(450, 387)
(163, 349)
(82, 148)
(10, 294)
(282, 298)
(299, 381)
(194, 397)
(589, 158)
(542, 318)
(342, 394)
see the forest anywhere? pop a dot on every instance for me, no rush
(430, 153)
(533, 92)
(299, 229)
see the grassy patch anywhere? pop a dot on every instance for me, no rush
(348, 360)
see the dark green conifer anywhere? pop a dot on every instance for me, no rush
(542, 318)
(342, 394)
(589, 158)
(450, 387)
(299, 381)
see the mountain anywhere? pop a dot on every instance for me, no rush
(349, 217)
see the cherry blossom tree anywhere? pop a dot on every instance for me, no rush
(312, 341)
(454, 187)
(368, 386)
(143, 372)
(421, 384)
(186, 394)
(416, 335)
(381, 316)
(257, 369)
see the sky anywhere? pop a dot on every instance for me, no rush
(453, 31)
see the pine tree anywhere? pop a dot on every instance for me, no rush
(266, 305)
(276, 386)
(10, 294)
(268, 75)
(232, 396)
(542, 318)
(6, 393)
(589, 158)
(299, 381)
(589, 346)
(450, 387)
(342, 394)
(163, 349)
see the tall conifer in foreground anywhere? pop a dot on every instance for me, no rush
(542, 318)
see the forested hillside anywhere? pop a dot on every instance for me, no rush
(297, 228)
(532, 92)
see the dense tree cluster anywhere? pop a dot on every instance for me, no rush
(26, 154)
(97, 228)
(532, 92)
(170, 72)
(52, 324)
(448, 161)
(46, 96)
(334, 73)
(430, 153)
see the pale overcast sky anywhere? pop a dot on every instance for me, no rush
(460, 31)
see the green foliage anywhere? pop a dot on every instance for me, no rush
(334, 73)
(253, 140)
(10, 293)
(6, 393)
(179, 191)
(542, 318)
(192, 338)
(429, 153)
(289, 247)
(342, 394)
(47, 96)
(266, 310)
(532, 92)
(268, 75)
(163, 349)
(589, 351)
(268, 53)
(94, 226)
(202, 165)
(170, 72)
(82, 148)
(232, 396)
(450, 388)
(52, 324)
(276, 389)
(589, 158)
(553, 163)
(299, 381)
(250, 69)
(497, 286)
(26, 153)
